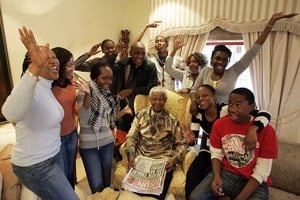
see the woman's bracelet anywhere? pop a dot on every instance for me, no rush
(31, 74)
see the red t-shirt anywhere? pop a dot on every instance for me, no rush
(229, 136)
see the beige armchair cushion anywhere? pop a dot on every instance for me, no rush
(179, 106)
(10, 186)
(285, 172)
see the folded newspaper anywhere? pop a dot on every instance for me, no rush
(147, 177)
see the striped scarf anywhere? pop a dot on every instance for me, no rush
(102, 101)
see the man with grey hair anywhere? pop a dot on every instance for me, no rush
(156, 133)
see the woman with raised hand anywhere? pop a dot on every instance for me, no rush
(223, 78)
(195, 62)
(36, 157)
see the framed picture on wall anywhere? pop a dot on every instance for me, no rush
(5, 77)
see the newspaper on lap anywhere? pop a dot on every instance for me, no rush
(147, 177)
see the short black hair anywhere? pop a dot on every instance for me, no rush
(96, 69)
(246, 93)
(209, 87)
(105, 41)
(223, 48)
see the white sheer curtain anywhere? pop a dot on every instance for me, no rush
(276, 78)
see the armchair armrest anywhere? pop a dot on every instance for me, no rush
(124, 160)
(188, 159)
(121, 168)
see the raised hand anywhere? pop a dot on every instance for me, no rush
(277, 16)
(38, 54)
(154, 24)
(178, 41)
(94, 50)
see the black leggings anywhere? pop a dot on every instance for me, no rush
(199, 168)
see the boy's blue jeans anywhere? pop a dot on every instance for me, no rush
(232, 186)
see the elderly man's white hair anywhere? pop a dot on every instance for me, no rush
(158, 89)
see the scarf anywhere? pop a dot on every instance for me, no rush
(101, 103)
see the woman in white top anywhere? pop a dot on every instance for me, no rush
(195, 62)
(36, 157)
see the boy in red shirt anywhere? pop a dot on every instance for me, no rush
(235, 172)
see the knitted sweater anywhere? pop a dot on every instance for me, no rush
(89, 138)
(37, 114)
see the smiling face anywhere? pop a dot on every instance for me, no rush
(104, 79)
(69, 69)
(108, 48)
(138, 53)
(205, 97)
(219, 61)
(239, 108)
(50, 70)
(158, 100)
(194, 65)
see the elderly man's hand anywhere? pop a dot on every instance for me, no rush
(131, 162)
(170, 165)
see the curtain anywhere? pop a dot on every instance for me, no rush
(194, 17)
(193, 43)
(276, 77)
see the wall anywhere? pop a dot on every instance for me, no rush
(73, 24)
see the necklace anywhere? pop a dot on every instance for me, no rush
(161, 60)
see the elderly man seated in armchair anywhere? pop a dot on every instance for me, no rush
(156, 133)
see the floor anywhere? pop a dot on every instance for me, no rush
(82, 187)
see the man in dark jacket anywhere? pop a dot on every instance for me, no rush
(135, 75)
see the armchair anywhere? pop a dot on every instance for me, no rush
(179, 106)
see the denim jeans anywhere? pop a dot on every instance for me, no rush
(46, 179)
(69, 150)
(232, 186)
(98, 163)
